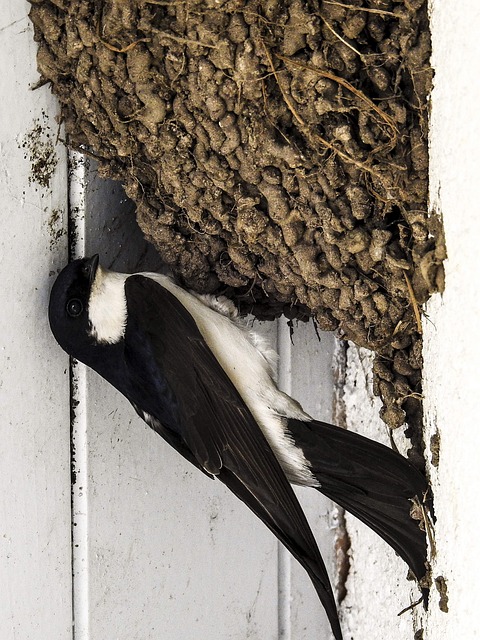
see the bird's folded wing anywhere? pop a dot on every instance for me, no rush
(207, 412)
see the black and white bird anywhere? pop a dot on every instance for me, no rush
(205, 382)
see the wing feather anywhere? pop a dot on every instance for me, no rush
(176, 378)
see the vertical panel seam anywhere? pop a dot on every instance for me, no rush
(77, 173)
(284, 557)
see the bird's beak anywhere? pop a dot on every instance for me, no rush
(92, 264)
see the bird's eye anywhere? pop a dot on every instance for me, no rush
(74, 307)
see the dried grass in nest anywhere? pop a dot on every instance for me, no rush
(276, 152)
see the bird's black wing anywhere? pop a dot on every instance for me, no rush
(376, 484)
(176, 378)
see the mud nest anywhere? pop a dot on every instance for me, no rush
(276, 152)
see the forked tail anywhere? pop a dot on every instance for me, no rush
(369, 480)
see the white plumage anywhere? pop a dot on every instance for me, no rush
(245, 357)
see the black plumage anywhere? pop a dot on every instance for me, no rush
(176, 359)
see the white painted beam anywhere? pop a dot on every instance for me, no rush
(35, 535)
(452, 345)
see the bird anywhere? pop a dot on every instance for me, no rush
(204, 380)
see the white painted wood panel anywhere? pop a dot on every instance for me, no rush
(159, 551)
(306, 372)
(162, 550)
(35, 532)
(169, 553)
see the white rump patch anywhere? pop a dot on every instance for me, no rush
(246, 358)
(107, 306)
(249, 362)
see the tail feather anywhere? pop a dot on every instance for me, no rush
(369, 480)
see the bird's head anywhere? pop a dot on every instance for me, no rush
(69, 305)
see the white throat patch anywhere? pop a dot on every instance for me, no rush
(107, 306)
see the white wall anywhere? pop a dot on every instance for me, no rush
(35, 573)
(147, 565)
(452, 334)
(377, 585)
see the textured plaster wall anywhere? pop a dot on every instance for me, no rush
(377, 586)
